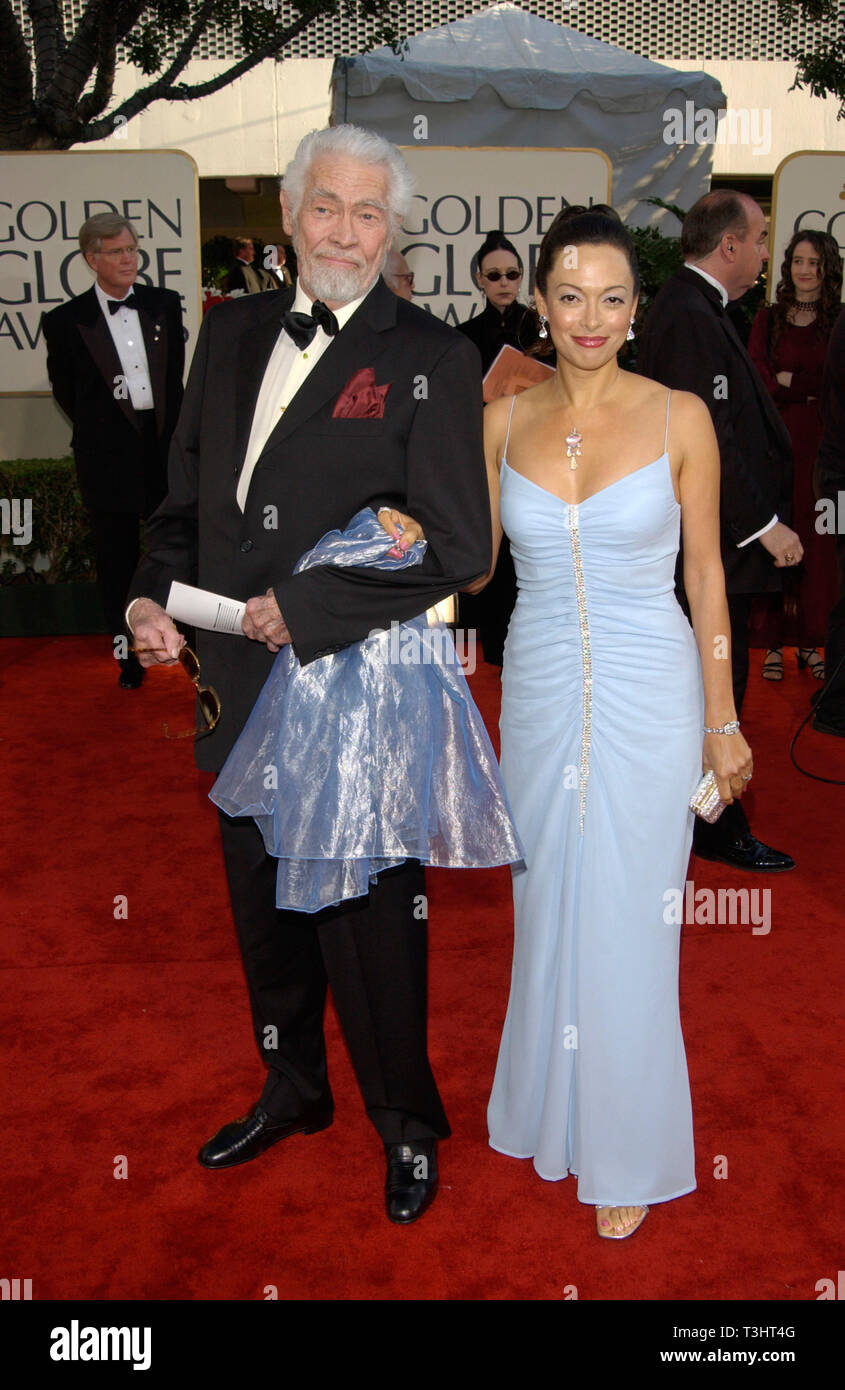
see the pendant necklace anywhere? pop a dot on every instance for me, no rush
(574, 440)
(573, 447)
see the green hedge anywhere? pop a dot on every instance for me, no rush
(60, 529)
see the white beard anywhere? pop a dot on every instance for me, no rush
(330, 282)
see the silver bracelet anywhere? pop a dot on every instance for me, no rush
(732, 727)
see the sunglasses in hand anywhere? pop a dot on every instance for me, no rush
(209, 700)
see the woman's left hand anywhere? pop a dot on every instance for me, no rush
(730, 758)
(404, 529)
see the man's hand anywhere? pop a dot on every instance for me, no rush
(157, 640)
(263, 622)
(784, 544)
(785, 378)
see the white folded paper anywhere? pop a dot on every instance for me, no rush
(199, 608)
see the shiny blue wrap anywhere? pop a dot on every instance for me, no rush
(369, 756)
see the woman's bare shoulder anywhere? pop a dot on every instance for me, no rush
(497, 410)
(689, 409)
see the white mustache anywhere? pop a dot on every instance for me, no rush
(339, 255)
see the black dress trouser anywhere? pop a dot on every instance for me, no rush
(831, 705)
(117, 546)
(373, 952)
(116, 538)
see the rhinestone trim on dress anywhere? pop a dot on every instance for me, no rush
(586, 663)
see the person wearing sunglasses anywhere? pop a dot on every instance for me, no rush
(498, 275)
(398, 275)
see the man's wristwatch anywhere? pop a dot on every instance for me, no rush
(732, 727)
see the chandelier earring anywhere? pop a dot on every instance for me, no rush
(629, 336)
(543, 331)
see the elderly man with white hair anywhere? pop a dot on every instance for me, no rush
(302, 408)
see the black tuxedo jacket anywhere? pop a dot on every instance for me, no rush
(116, 472)
(831, 460)
(315, 472)
(689, 344)
(491, 331)
(236, 279)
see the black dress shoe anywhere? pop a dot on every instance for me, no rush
(411, 1183)
(747, 852)
(838, 730)
(248, 1137)
(131, 674)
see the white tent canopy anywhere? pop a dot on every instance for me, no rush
(504, 77)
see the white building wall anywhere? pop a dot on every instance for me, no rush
(250, 127)
(254, 125)
(797, 120)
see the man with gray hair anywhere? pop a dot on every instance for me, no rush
(301, 408)
(115, 357)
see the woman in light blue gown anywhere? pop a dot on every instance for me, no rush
(606, 695)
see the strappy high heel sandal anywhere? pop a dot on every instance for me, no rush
(809, 657)
(610, 1234)
(773, 665)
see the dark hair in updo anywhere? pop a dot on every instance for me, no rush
(496, 241)
(599, 225)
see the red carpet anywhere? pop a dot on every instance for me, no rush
(128, 1035)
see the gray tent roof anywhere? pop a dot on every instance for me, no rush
(529, 62)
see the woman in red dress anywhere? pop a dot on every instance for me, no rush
(788, 344)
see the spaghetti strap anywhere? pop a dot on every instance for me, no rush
(666, 435)
(508, 435)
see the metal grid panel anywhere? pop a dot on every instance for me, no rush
(664, 30)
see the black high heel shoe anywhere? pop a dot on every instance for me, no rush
(772, 669)
(809, 657)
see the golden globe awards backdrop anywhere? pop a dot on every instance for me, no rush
(808, 192)
(46, 198)
(464, 193)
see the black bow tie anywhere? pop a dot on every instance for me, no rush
(302, 327)
(130, 302)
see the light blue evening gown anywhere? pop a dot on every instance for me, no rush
(602, 715)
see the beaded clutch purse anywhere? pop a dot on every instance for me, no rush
(705, 800)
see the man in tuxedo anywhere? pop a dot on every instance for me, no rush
(115, 357)
(276, 273)
(301, 408)
(830, 466)
(690, 344)
(242, 275)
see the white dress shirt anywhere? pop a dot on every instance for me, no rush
(125, 329)
(717, 284)
(285, 372)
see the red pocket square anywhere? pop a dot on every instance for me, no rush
(360, 398)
